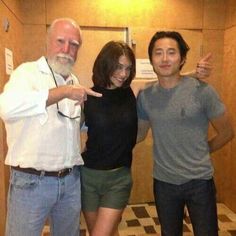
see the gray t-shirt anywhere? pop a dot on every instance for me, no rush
(179, 119)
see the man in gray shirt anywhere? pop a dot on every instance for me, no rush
(179, 111)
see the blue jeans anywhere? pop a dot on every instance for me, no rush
(33, 199)
(200, 198)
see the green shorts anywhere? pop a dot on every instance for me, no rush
(105, 188)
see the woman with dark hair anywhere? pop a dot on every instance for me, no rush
(112, 131)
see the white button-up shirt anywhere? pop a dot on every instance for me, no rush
(37, 136)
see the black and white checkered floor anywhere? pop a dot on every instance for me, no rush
(141, 219)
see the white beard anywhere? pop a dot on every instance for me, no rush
(61, 64)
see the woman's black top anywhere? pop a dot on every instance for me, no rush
(112, 128)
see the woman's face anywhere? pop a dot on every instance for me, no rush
(121, 73)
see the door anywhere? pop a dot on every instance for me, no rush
(94, 38)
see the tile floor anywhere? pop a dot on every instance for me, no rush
(140, 220)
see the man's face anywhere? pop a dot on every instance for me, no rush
(166, 59)
(63, 44)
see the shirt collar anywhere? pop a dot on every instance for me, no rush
(43, 65)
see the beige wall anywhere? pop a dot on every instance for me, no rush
(130, 13)
(228, 172)
(12, 39)
(27, 34)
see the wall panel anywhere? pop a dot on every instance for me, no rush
(33, 11)
(213, 41)
(142, 166)
(14, 6)
(214, 14)
(12, 39)
(35, 36)
(229, 85)
(230, 13)
(149, 13)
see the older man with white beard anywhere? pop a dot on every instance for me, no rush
(40, 106)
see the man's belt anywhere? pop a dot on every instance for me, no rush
(59, 174)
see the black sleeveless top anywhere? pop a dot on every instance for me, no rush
(112, 128)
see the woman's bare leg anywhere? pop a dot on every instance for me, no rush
(104, 222)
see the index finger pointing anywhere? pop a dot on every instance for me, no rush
(207, 57)
(92, 93)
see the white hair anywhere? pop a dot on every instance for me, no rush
(68, 20)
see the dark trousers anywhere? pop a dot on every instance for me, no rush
(200, 198)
